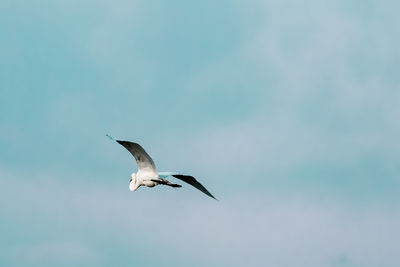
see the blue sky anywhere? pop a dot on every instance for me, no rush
(287, 111)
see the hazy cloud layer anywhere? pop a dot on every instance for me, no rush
(80, 223)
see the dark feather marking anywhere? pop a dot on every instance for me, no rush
(192, 181)
(165, 182)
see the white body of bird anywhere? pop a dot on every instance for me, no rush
(142, 178)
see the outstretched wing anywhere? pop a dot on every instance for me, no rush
(187, 179)
(143, 160)
(192, 181)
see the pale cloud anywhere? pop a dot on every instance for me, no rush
(241, 230)
(51, 254)
(314, 101)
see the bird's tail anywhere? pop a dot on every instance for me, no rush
(165, 182)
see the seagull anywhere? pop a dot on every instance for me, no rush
(147, 174)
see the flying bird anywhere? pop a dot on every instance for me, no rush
(147, 174)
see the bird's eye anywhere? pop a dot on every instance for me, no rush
(130, 180)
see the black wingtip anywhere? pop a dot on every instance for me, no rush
(192, 181)
(214, 197)
(210, 195)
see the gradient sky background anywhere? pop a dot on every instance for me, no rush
(287, 111)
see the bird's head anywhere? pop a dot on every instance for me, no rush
(133, 182)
